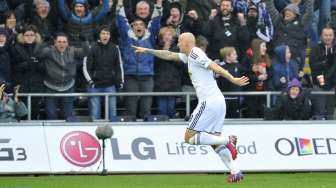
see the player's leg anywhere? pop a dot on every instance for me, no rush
(204, 138)
(207, 119)
(224, 153)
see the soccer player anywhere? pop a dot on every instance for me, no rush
(207, 120)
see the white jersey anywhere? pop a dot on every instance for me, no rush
(201, 77)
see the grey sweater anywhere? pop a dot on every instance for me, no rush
(60, 68)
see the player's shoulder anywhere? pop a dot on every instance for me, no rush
(196, 53)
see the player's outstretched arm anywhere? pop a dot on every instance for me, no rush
(163, 54)
(242, 81)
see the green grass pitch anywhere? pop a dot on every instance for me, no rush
(264, 180)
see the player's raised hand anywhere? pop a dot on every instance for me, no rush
(139, 49)
(242, 81)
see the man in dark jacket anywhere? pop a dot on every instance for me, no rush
(60, 65)
(104, 72)
(226, 29)
(323, 64)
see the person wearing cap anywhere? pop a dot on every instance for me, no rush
(293, 103)
(103, 72)
(43, 16)
(290, 26)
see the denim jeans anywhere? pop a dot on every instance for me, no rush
(95, 102)
(53, 102)
(166, 105)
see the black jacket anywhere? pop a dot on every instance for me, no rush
(5, 67)
(222, 33)
(104, 65)
(323, 62)
(27, 69)
(167, 75)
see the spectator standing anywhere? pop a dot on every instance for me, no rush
(258, 67)
(139, 68)
(259, 22)
(168, 75)
(226, 29)
(44, 16)
(80, 22)
(104, 73)
(231, 64)
(27, 70)
(290, 28)
(323, 65)
(60, 73)
(110, 20)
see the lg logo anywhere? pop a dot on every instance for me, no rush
(11, 153)
(141, 148)
(80, 148)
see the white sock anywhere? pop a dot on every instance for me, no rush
(226, 157)
(204, 138)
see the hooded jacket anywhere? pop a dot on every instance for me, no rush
(281, 68)
(81, 28)
(137, 64)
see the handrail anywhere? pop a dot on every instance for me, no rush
(188, 95)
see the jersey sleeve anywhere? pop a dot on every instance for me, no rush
(199, 57)
(183, 57)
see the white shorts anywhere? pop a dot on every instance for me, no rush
(209, 115)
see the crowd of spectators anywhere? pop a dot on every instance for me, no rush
(66, 46)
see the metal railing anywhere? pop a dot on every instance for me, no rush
(187, 95)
